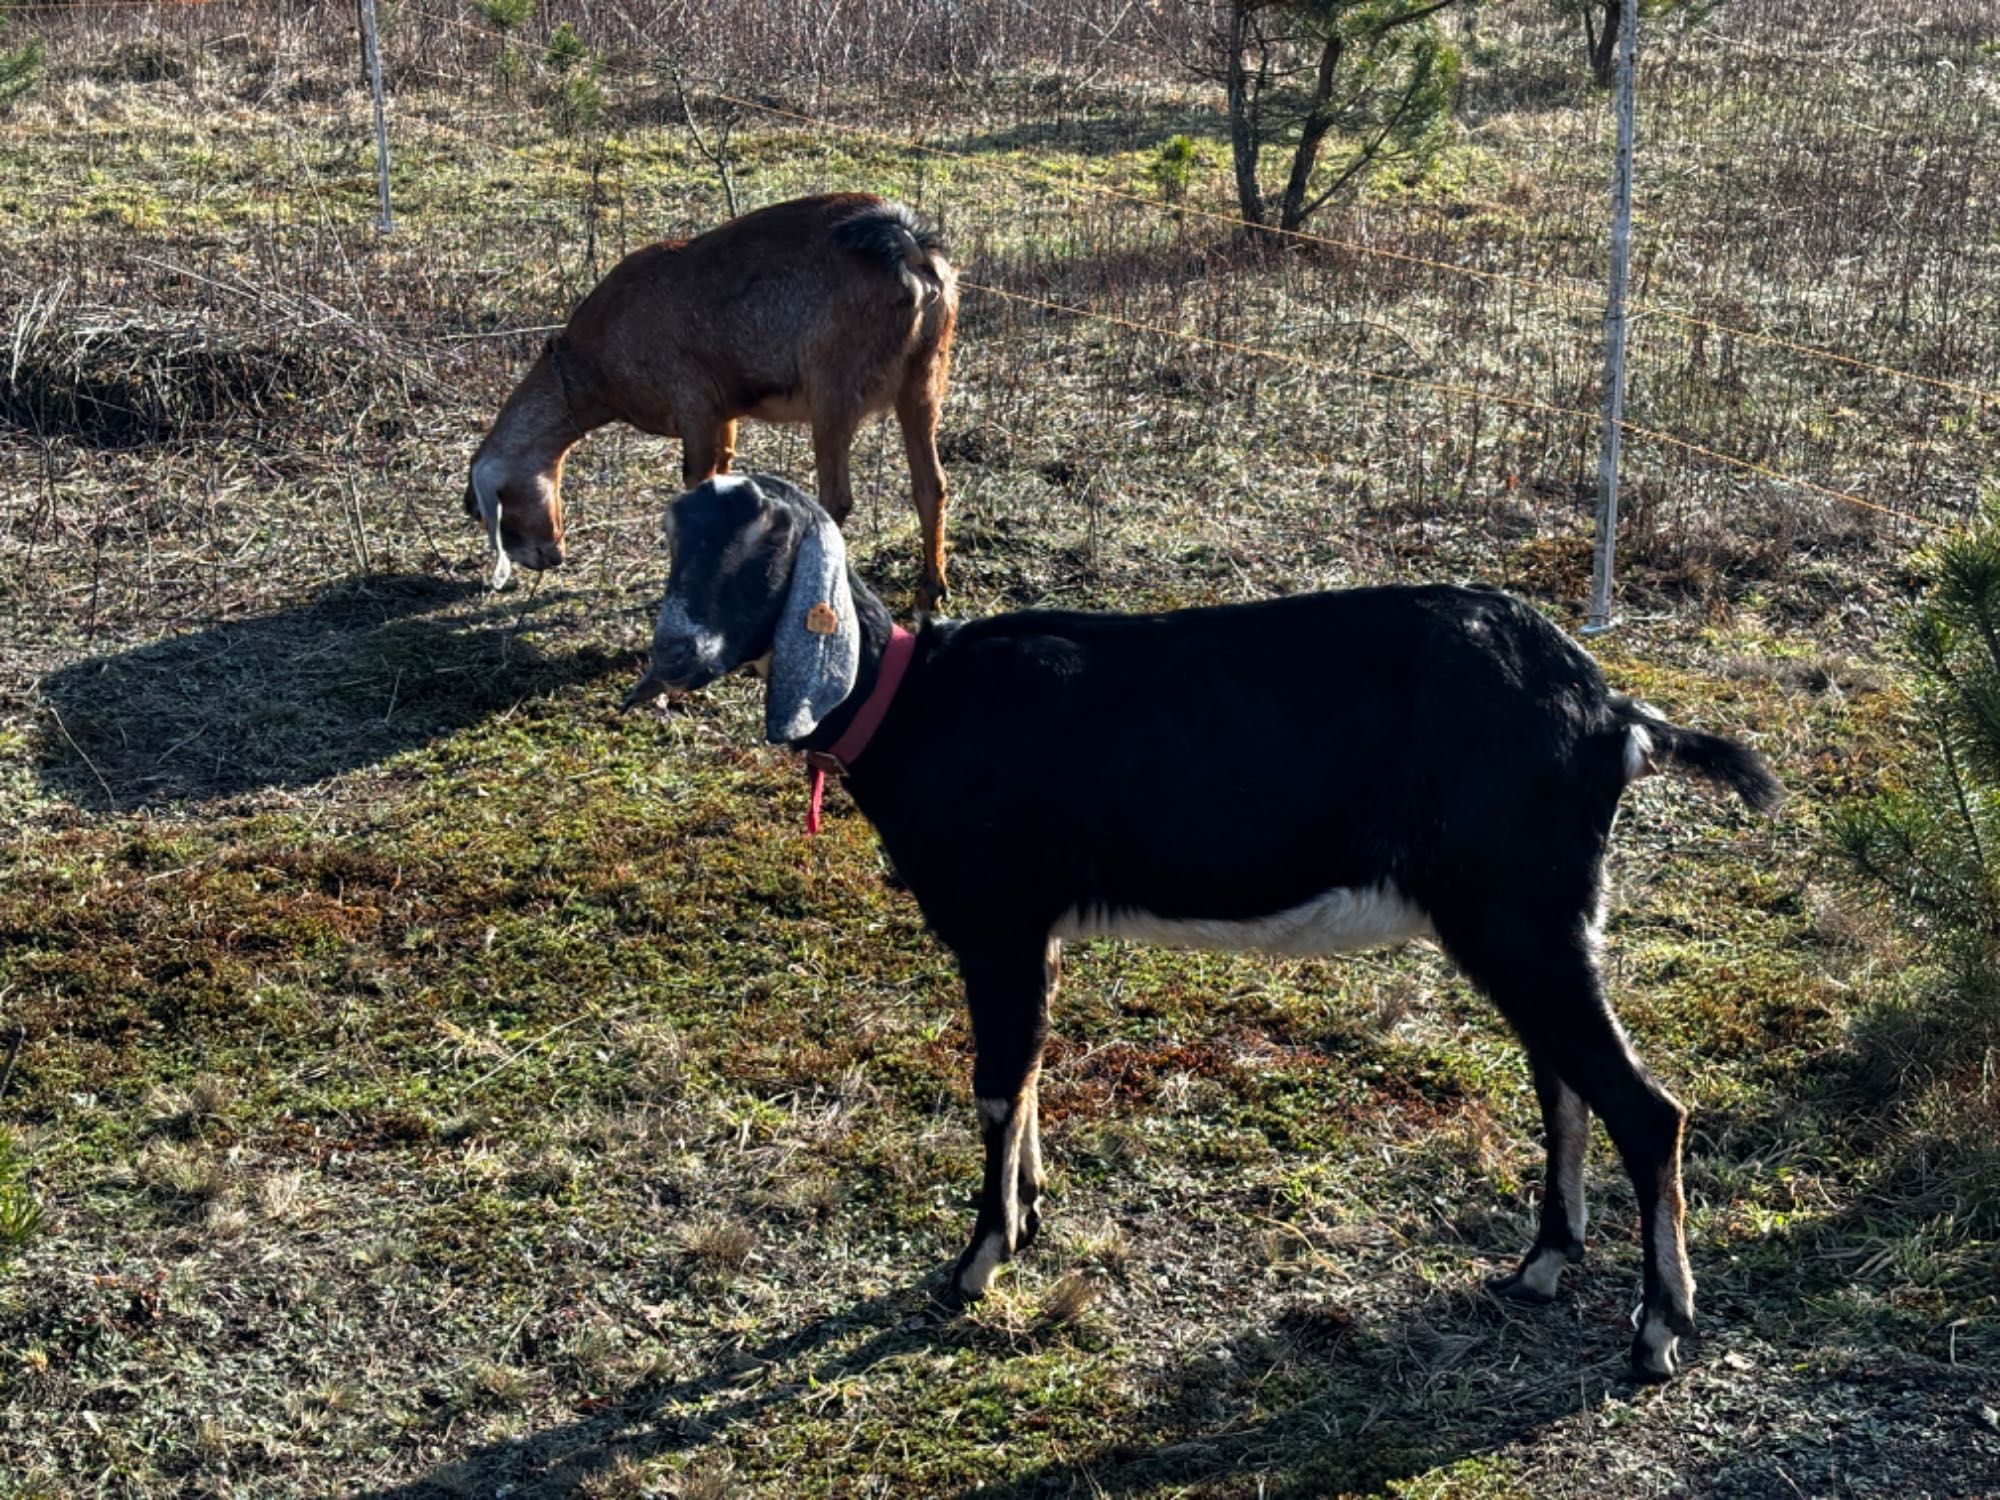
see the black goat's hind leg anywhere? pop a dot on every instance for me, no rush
(1547, 985)
(1559, 1239)
(1007, 988)
(1030, 1177)
(1645, 1122)
(1667, 1308)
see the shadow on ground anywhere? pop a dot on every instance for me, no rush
(650, 1419)
(1316, 1403)
(367, 668)
(1091, 129)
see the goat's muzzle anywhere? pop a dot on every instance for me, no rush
(539, 556)
(675, 668)
(649, 688)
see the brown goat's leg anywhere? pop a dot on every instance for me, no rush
(1007, 987)
(725, 447)
(704, 451)
(917, 415)
(1559, 1239)
(833, 436)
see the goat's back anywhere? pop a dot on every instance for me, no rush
(791, 304)
(1239, 759)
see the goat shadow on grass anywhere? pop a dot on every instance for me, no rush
(363, 670)
(1309, 1399)
(648, 1420)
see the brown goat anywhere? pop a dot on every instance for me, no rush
(828, 310)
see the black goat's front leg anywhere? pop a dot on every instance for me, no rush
(1007, 987)
(1559, 1239)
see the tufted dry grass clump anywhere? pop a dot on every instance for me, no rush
(719, 1245)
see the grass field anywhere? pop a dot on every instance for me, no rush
(436, 1083)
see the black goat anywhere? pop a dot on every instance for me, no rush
(1311, 774)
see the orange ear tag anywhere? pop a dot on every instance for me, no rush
(821, 620)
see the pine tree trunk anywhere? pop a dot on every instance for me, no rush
(1318, 121)
(1243, 141)
(1604, 44)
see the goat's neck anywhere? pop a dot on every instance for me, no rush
(544, 418)
(876, 626)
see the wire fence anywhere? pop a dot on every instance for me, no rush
(1814, 289)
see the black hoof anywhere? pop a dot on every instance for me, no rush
(1656, 1345)
(948, 1300)
(1650, 1368)
(973, 1264)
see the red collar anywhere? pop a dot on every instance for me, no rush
(844, 751)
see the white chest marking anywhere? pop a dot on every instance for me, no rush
(1345, 918)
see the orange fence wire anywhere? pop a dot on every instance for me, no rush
(1571, 287)
(1503, 398)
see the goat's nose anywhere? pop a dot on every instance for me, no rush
(673, 660)
(531, 554)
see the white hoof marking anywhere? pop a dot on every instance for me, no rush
(1541, 1273)
(978, 1274)
(1653, 1352)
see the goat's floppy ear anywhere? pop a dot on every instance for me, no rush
(816, 654)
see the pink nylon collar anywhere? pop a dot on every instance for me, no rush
(874, 708)
(895, 662)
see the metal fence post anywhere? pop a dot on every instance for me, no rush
(373, 55)
(1599, 618)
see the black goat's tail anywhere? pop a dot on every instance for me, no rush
(904, 242)
(1653, 744)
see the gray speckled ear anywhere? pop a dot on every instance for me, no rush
(817, 651)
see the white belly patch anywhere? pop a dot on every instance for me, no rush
(1342, 919)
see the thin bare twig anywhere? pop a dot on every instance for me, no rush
(13, 1053)
(84, 756)
(513, 1057)
(719, 154)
